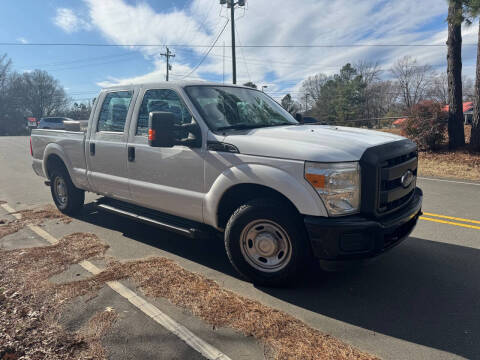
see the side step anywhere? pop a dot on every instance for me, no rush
(168, 222)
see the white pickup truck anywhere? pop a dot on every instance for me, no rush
(192, 157)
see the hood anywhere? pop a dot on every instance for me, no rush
(309, 142)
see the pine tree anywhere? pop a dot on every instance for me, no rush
(456, 135)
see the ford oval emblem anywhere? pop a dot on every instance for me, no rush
(407, 179)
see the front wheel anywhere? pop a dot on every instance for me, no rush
(266, 242)
(68, 199)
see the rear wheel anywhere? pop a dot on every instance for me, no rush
(68, 199)
(266, 242)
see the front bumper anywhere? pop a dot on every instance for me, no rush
(356, 237)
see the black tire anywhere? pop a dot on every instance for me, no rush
(74, 197)
(278, 213)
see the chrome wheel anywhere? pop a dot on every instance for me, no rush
(265, 245)
(60, 190)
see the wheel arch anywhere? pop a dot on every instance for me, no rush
(54, 158)
(250, 181)
(242, 193)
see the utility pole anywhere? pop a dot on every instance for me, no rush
(234, 60)
(231, 4)
(168, 55)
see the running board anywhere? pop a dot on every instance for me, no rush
(151, 217)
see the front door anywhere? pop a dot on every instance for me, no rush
(107, 146)
(166, 179)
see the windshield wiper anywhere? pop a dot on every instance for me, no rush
(239, 127)
(249, 126)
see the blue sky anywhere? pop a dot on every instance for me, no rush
(83, 70)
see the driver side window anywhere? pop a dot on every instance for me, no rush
(161, 100)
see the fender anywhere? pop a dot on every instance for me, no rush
(78, 176)
(298, 191)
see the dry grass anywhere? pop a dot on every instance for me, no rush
(30, 304)
(460, 164)
(32, 216)
(284, 336)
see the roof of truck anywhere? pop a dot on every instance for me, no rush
(173, 84)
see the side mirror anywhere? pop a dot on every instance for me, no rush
(161, 129)
(299, 118)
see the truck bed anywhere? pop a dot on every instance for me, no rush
(68, 145)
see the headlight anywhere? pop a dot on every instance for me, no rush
(338, 184)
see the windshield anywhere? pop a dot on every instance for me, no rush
(226, 107)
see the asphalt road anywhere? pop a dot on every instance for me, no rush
(419, 301)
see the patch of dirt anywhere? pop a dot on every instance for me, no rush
(30, 305)
(460, 164)
(9, 227)
(284, 336)
(96, 328)
(47, 212)
(34, 217)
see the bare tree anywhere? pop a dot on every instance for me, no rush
(439, 88)
(370, 73)
(290, 105)
(311, 90)
(42, 94)
(414, 80)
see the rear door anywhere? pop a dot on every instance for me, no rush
(166, 179)
(106, 148)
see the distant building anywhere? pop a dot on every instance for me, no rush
(467, 113)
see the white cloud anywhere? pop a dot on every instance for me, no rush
(283, 22)
(67, 20)
(154, 76)
(22, 40)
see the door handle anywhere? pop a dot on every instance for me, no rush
(131, 153)
(92, 149)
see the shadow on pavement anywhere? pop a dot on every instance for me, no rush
(210, 253)
(424, 292)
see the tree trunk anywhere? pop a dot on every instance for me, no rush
(475, 137)
(456, 135)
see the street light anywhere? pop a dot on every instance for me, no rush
(264, 87)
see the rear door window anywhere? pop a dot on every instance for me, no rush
(114, 110)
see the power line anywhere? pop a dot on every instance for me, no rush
(208, 52)
(244, 46)
(87, 60)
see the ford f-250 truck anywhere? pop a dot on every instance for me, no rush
(190, 157)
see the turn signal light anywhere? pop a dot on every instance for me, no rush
(151, 135)
(317, 181)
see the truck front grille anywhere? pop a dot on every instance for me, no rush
(383, 167)
(392, 194)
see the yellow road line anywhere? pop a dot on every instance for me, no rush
(452, 218)
(450, 223)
